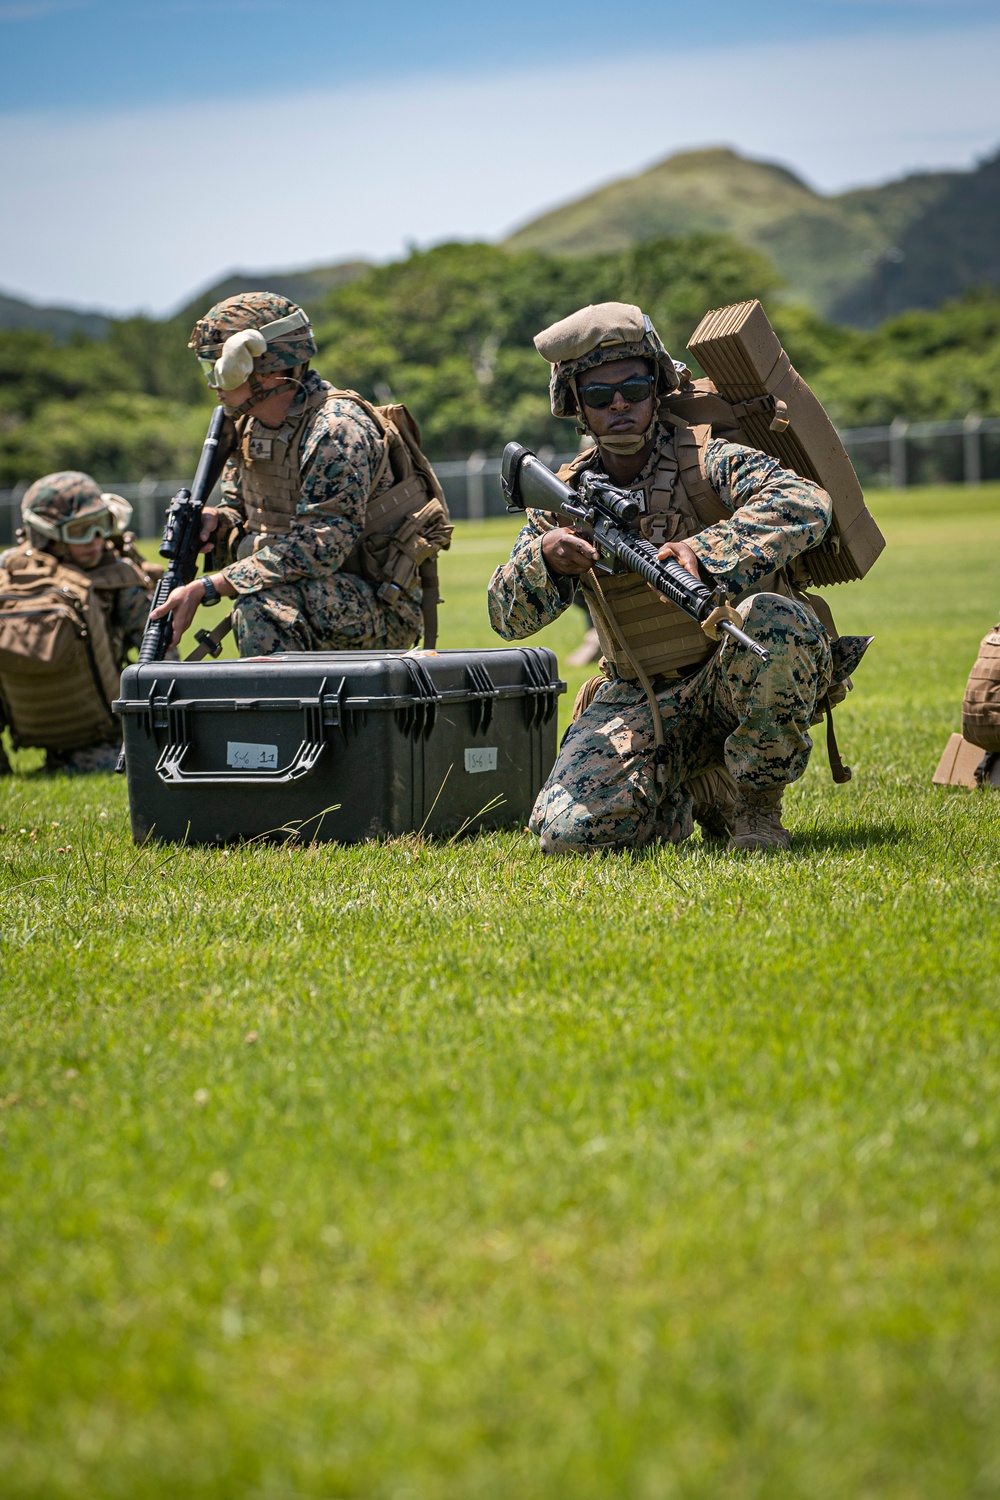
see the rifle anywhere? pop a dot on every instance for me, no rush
(181, 545)
(181, 541)
(526, 480)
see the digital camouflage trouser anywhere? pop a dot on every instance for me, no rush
(337, 613)
(737, 712)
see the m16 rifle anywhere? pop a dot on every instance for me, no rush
(181, 541)
(607, 510)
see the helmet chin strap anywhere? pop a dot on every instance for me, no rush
(625, 447)
(258, 393)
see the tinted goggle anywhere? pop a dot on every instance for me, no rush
(84, 529)
(601, 394)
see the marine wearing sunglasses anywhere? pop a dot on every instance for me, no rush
(619, 397)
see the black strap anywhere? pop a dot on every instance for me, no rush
(430, 599)
(209, 641)
(838, 770)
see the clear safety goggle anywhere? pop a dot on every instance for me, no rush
(85, 528)
(208, 370)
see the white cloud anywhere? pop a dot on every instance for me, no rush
(140, 207)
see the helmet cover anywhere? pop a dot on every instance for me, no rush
(596, 335)
(69, 495)
(253, 333)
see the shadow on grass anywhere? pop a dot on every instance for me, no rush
(869, 836)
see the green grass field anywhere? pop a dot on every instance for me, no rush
(416, 1172)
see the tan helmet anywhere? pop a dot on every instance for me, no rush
(70, 506)
(595, 335)
(248, 336)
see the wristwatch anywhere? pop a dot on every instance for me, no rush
(211, 594)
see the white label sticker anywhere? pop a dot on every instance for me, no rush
(244, 757)
(481, 760)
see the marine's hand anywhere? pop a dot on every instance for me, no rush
(209, 521)
(568, 551)
(182, 603)
(682, 553)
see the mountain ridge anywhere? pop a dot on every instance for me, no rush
(855, 257)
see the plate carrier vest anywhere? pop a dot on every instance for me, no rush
(58, 673)
(271, 483)
(679, 502)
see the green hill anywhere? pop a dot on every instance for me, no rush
(61, 322)
(856, 257)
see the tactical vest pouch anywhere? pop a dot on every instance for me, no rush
(981, 704)
(57, 675)
(777, 413)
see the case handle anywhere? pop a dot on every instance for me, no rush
(303, 763)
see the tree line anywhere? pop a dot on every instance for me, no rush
(449, 332)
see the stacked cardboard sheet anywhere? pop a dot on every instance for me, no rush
(778, 413)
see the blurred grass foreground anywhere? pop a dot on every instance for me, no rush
(443, 1171)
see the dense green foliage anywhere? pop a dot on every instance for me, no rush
(445, 1171)
(449, 331)
(924, 366)
(121, 407)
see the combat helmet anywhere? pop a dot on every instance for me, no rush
(248, 336)
(595, 335)
(70, 506)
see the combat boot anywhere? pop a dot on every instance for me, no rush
(757, 819)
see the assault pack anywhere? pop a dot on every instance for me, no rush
(58, 673)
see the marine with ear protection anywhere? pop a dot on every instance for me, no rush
(239, 341)
(331, 518)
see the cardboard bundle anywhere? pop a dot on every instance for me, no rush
(778, 413)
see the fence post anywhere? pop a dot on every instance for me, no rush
(897, 452)
(972, 462)
(475, 489)
(146, 504)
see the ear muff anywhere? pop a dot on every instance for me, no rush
(234, 365)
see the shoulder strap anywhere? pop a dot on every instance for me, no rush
(690, 444)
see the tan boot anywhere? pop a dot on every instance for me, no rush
(757, 819)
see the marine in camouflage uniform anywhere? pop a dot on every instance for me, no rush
(58, 511)
(297, 577)
(734, 716)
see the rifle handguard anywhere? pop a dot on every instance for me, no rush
(721, 614)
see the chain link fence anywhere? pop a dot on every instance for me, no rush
(904, 453)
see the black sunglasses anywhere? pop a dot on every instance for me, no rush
(599, 395)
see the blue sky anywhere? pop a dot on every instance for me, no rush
(71, 53)
(143, 125)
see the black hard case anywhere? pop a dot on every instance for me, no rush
(345, 745)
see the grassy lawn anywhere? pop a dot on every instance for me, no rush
(408, 1172)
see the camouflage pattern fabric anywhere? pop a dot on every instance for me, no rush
(253, 310)
(341, 452)
(737, 711)
(776, 515)
(340, 613)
